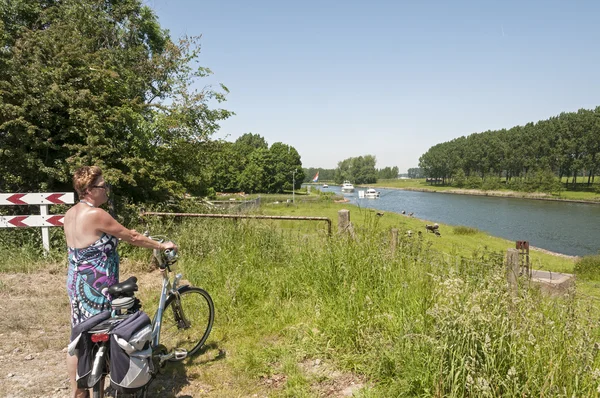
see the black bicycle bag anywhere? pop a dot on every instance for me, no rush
(131, 365)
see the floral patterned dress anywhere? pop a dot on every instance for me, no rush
(92, 270)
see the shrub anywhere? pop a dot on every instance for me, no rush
(491, 183)
(473, 182)
(459, 178)
(462, 230)
(588, 267)
(515, 184)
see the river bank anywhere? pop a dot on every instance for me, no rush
(501, 194)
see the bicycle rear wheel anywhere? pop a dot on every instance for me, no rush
(187, 320)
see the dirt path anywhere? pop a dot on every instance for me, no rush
(34, 333)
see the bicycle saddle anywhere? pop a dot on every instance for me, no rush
(125, 288)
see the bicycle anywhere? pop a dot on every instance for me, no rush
(181, 324)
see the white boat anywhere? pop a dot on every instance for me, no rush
(371, 194)
(325, 186)
(347, 186)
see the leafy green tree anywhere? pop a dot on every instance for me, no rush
(224, 166)
(286, 161)
(459, 178)
(359, 170)
(248, 143)
(416, 172)
(388, 173)
(258, 172)
(98, 82)
(563, 145)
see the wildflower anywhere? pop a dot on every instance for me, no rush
(483, 385)
(469, 380)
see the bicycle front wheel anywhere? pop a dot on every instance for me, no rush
(187, 320)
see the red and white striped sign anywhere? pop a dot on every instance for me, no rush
(37, 198)
(32, 221)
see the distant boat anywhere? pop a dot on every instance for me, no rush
(347, 186)
(316, 177)
(325, 186)
(371, 194)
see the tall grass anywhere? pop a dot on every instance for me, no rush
(413, 322)
(588, 267)
(462, 230)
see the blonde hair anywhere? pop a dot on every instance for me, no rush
(84, 177)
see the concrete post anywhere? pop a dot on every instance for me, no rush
(512, 269)
(343, 220)
(394, 241)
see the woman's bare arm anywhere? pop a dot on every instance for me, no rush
(105, 223)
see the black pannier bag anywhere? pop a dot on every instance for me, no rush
(82, 346)
(131, 354)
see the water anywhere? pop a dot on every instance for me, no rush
(562, 227)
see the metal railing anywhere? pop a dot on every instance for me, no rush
(242, 216)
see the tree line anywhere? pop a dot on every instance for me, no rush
(567, 145)
(250, 165)
(100, 82)
(358, 170)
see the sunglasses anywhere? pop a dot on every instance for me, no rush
(106, 187)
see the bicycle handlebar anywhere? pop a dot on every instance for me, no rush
(166, 257)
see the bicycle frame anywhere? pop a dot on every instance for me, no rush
(167, 290)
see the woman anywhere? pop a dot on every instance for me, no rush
(92, 237)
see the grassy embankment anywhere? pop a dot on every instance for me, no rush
(421, 185)
(432, 319)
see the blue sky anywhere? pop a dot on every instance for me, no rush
(390, 78)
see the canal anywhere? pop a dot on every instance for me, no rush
(562, 227)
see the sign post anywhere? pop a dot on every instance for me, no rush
(44, 220)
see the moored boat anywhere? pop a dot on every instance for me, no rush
(371, 194)
(347, 187)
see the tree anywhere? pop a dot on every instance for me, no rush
(415, 172)
(258, 172)
(567, 144)
(98, 82)
(248, 143)
(359, 170)
(388, 173)
(286, 160)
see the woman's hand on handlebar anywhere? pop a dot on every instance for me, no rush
(168, 245)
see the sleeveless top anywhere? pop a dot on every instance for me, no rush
(92, 270)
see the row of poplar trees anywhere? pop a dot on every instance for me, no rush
(567, 145)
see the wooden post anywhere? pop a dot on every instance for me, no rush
(394, 241)
(45, 232)
(512, 269)
(343, 220)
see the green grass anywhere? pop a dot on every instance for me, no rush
(462, 230)
(450, 242)
(588, 268)
(432, 318)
